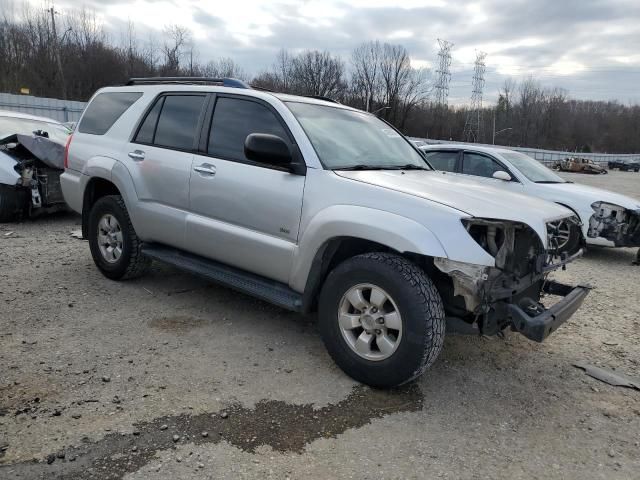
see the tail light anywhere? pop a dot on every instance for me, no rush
(66, 152)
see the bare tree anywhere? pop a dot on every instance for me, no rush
(366, 76)
(318, 73)
(173, 48)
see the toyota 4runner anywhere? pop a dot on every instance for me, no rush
(309, 204)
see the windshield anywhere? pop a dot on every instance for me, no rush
(532, 169)
(25, 126)
(347, 139)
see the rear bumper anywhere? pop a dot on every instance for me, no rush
(72, 184)
(537, 322)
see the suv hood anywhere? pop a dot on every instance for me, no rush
(472, 197)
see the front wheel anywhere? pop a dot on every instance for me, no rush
(115, 247)
(381, 319)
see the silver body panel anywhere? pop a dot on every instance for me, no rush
(273, 223)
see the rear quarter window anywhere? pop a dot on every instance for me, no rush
(104, 110)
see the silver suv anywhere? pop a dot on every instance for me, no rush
(310, 204)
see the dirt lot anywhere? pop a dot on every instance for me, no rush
(170, 377)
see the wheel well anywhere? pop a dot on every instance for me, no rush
(331, 254)
(96, 188)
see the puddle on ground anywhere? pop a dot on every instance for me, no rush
(282, 426)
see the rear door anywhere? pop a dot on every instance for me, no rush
(243, 213)
(159, 159)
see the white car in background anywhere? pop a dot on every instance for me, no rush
(608, 218)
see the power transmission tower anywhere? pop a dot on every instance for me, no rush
(444, 72)
(473, 123)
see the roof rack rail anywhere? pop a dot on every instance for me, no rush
(321, 97)
(225, 82)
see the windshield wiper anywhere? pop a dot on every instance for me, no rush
(549, 181)
(361, 166)
(411, 166)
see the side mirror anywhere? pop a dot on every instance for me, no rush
(265, 148)
(502, 175)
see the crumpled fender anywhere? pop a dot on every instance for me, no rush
(394, 231)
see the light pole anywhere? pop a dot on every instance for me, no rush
(499, 131)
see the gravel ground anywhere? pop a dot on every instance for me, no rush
(170, 377)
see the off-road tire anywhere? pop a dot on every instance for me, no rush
(9, 203)
(419, 304)
(132, 263)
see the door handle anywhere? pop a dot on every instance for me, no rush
(206, 169)
(137, 155)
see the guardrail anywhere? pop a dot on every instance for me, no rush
(61, 110)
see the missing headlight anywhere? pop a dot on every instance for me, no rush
(515, 246)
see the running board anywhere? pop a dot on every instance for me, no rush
(245, 282)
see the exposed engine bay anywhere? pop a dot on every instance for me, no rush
(616, 224)
(38, 163)
(519, 276)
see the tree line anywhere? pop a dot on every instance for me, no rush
(75, 56)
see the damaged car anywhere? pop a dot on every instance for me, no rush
(313, 206)
(31, 161)
(607, 218)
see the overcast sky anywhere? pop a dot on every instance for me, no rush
(589, 47)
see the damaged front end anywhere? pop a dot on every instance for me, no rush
(616, 224)
(39, 162)
(486, 300)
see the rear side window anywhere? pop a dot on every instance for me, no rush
(445, 161)
(172, 122)
(148, 128)
(234, 120)
(104, 110)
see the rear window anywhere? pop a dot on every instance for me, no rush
(104, 110)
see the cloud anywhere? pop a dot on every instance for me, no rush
(588, 47)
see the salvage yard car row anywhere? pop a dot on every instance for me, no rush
(315, 206)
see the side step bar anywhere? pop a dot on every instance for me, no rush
(245, 282)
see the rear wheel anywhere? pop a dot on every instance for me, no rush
(381, 319)
(115, 247)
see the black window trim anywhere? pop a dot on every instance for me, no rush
(491, 157)
(206, 132)
(161, 97)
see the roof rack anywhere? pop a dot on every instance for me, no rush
(321, 97)
(225, 82)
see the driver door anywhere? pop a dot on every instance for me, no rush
(482, 167)
(243, 213)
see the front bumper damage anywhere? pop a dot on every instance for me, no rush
(535, 321)
(614, 223)
(508, 295)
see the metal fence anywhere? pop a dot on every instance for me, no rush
(549, 157)
(61, 110)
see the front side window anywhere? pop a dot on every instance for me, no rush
(105, 110)
(445, 161)
(234, 120)
(480, 165)
(349, 139)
